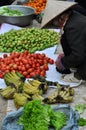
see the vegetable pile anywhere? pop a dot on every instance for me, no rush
(38, 5)
(8, 12)
(28, 39)
(27, 64)
(80, 108)
(37, 116)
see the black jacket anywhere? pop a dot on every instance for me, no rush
(74, 44)
(81, 3)
(81, 6)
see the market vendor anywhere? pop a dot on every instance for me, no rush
(73, 38)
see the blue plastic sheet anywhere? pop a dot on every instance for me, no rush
(10, 121)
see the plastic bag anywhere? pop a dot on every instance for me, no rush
(10, 121)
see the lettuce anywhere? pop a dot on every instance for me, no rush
(58, 120)
(38, 116)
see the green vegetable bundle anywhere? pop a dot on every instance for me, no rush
(82, 122)
(80, 108)
(37, 116)
(31, 39)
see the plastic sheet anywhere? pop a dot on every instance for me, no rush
(10, 121)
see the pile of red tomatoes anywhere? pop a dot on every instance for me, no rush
(28, 64)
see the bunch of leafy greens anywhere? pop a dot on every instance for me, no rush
(82, 122)
(37, 116)
(80, 108)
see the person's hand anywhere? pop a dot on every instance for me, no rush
(58, 62)
(60, 55)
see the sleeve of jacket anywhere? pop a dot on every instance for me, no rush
(76, 39)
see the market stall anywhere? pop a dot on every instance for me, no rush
(53, 91)
(52, 70)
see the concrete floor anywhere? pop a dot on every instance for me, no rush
(79, 97)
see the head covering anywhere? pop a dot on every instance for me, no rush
(53, 9)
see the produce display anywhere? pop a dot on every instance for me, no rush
(60, 95)
(20, 62)
(28, 39)
(5, 11)
(38, 5)
(23, 91)
(17, 87)
(28, 64)
(37, 116)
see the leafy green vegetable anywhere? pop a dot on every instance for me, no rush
(8, 12)
(37, 116)
(80, 108)
(58, 120)
(82, 122)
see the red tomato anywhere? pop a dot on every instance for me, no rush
(5, 55)
(17, 63)
(37, 72)
(30, 70)
(32, 74)
(45, 61)
(43, 55)
(51, 61)
(30, 62)
(1, 59)
(37, 65)
(25, 73)
(8, 62)
(3, 68)
(19, 67)
(21, 64)
(36, 56)
(15, 66)
(1, 75)
(28, 76)
(26, 52)
(23, 68)
(32, 58)
(16, 55)
(42, 73)
(46, 67)
(8, 67)
(27, 66)
(33, 66)
(16, 59)
(24, 61)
